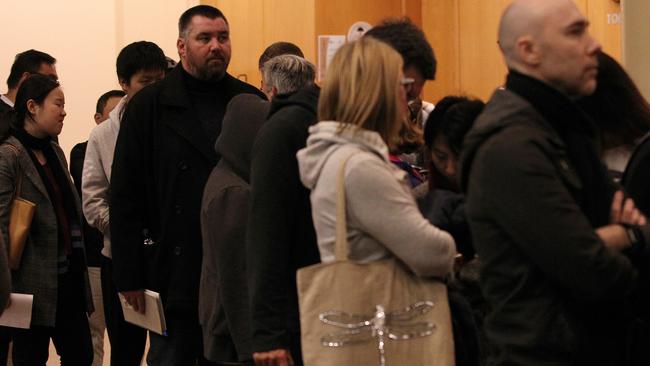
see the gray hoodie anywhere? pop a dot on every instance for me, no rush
(382, 216)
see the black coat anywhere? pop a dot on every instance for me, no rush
(281, 236)
(554, 289)
(93, 238)
(162, 161)
(6, 116)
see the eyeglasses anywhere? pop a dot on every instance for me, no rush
(407, 84)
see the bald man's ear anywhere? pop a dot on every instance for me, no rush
(528, 51)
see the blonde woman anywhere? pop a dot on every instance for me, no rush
(361, 107)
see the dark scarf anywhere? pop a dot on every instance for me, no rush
(577, 131)
(45, 145)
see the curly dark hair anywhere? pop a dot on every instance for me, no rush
(409, 40)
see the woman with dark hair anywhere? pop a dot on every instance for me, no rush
(52, 267)
(620, 113)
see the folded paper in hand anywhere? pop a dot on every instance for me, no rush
(153, 318)
(19, 312)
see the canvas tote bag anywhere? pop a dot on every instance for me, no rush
(377, 313)
(20, 219)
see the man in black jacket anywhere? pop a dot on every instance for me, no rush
(555, 240)
(164, 154)
(281, 236)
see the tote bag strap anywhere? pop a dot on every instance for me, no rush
(341, 245)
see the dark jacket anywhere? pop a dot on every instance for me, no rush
(281, 235)
(553, 287)
(93, 238)
(223, 294)
(162, 161)
(6, 117)
(637, 176)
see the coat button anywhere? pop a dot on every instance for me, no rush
(177, 250)
(177, 209)
(182, 166)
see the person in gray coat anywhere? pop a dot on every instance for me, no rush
(53, 264)
(223, 294)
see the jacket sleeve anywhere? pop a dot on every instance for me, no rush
(128, 198)
(531, 203)
(273, 171)
(94, 186)
(383, 209)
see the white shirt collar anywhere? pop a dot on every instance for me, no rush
(6, 100)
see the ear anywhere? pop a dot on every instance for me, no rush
(527, 49)
(97, 117)
(32, 107)
(124, 84)
(180, 46)
(274, 91)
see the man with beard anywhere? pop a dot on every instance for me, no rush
(163, 158)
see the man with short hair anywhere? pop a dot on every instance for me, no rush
(556, 241)
(92, 237)
(276, 49)
(286, 74)
(138, 65)
(25, 64)
(163, 156)
(280, 237)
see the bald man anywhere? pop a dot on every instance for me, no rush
(555, 238)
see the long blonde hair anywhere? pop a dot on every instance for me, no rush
(361, 88)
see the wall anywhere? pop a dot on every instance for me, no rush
(85, 38)
(636, 50)
(464, 36)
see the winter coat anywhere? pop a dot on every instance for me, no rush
(281, 236)
(223, 295)
(553, 287)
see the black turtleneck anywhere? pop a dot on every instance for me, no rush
(209, 99)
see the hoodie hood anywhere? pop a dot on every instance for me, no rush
(244, 116)
(495, 117)
(306, 98)
(327, 137)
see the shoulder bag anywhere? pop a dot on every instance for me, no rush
(378, 313)
(20, 219)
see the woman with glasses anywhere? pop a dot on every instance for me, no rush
(52, 266)
(361, 108)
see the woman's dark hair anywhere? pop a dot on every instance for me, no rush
(453, 117)
(620, 112)
(36, 87)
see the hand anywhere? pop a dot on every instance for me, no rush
(624, 211)
(276, 357)
(135, 299)
(614, 237)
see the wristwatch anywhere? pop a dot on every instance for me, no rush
(637, 241)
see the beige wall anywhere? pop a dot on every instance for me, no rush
(636, 42)
(85, 38)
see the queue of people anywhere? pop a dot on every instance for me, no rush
(215, 193)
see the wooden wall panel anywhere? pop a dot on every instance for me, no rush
(255, 24)
(336, 16)
(481, 68)
(440, 22)
(609, 35)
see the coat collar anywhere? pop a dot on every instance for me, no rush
(26, 165)
(181, 117)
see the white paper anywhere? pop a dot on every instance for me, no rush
(154, 317)
(19, 312)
